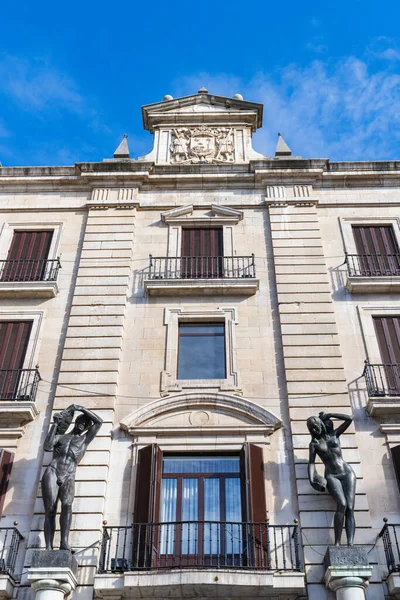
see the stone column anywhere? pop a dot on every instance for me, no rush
(52, 574)
(347, 572)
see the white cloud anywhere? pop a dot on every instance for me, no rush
(340, 111)
(35, 85)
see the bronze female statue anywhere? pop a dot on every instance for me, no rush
(340, 479)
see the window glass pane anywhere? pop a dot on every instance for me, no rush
(201, 356)
(190, 512)
(168, 515)
(233, 508)
(201, 464)
(199, 328)
(211, 533)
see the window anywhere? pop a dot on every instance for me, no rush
(199, 509)
(201, 351)
(27, 256)
(14, 338)
(6, 461)
(388, 335)
(377, 250)
(202, 252)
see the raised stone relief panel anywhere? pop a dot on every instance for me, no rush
(202, 144)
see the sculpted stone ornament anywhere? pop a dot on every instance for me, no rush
(58, 481)
(202, 144)
(340, 479)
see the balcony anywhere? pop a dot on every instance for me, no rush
(10, 540)
(18, 389)
(383, 387)
(29, 278)
(200, 558)
(390, 534)
(373, 273)
(201, 275)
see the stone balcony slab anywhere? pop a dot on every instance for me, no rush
(16, 413)
(28, 289)
(7, 586)
(373, 285)
(241, 286)
(383, 406)
(192, 583)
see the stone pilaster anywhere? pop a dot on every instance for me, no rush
(314, 372)
(90, 367)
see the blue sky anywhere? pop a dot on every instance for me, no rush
(74, 75)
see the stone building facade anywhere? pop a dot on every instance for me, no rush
(204, 300)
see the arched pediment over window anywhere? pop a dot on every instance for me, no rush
(201, 413)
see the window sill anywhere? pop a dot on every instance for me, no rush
(383, 406)
(240, 286)
(180, 385)
(184, 583)
(28, 289)
(16, 413)
(371, 285)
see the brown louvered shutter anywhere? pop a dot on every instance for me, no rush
(388, 335)
(14, 338)
(377, 250)
(396, 462)
(27, 256)
(202, 252)
(6, 461)
(147, 500)
(255, 510)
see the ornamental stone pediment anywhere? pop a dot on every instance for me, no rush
(217, 211)
(200, 412)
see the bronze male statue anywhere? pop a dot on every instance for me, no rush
(58, 481)
(340, 479)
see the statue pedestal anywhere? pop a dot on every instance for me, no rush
(53, 574)
(347, 572)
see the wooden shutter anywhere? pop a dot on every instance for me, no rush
(396, 462)
(6, 461)
(388, 335)
(14, 338)
(147, 501)
(377, 250)
(202, 252)
(27, 256)
(255, 510)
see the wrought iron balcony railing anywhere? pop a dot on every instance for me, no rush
(19, 384)
(200, 545)
(201, 267)
(10, 540)
(382, 380)
(390, 534)
(373, 265)
(29, 270)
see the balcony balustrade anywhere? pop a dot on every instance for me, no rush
(29, 278)
(187, 275)
(10, 541)
(19, 384)
(200, 545)
(383, 387)
(373, 272)
(29, 270)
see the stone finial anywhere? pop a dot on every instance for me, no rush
(202, 90)
(282, 149)
(237, 97)
(123, 150)
(167, 97)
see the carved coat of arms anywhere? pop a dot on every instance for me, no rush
(202, 144)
